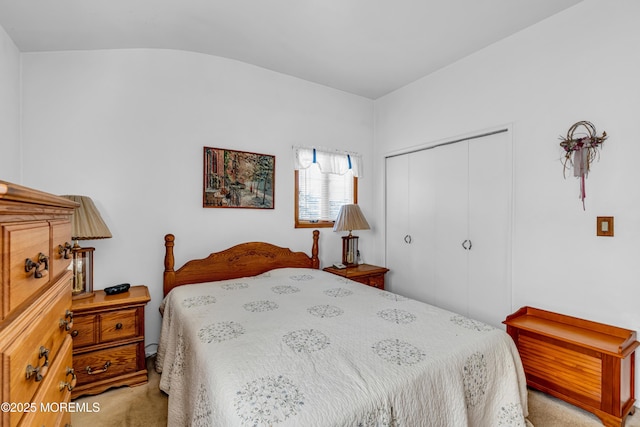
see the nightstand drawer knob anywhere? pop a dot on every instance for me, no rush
(74, 333)
(90, 370)
(118, 325)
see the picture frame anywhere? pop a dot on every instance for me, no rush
(238, 179)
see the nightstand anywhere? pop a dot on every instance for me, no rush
(368, 274)
(108, 341)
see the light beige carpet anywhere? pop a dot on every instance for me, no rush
(146, 406)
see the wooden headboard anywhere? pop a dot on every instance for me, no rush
(245, 259)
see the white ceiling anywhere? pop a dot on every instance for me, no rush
(366, 47)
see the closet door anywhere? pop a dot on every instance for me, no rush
(451, 226)
(490, 188)
(422, 226)
(410, 210)
(398, 238)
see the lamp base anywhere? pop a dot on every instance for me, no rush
(350, 250)
(82, 295)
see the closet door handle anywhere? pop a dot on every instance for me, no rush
(407, 238)
(464, 245)
(470, 245)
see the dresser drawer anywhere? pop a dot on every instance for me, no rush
(22, 241)
(55, 389)
(60, 232)
(37, 345)
(104, 364)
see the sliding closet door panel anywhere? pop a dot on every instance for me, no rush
(422, 214)
(450, 228)
(398, 232)
(489, 228)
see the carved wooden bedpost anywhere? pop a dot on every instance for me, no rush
(169, 272)
(314, 250)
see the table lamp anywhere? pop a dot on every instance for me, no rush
(86, 224)
(350, 218)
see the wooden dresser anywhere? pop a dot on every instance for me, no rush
(588, 364)
(35, 310)
(108, 340)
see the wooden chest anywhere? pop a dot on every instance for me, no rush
(108, 340)
(35, 307)
(588, 364)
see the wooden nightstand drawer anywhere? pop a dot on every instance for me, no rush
(377, 281)
(104, 364)
(84, 331)
(118, 325)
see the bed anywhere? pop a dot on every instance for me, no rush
(258, 335)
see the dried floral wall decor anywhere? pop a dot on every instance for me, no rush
(580, 149)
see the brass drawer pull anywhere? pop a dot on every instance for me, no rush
(43, 259)
(29, 265)
(67, 324)
(90, 370)
(65, 251)
(39, 372)
(69, 385)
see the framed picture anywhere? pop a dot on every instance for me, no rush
(238, 179)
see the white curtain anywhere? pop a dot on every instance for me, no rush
(336, 162)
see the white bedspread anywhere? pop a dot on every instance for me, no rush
(302, 347)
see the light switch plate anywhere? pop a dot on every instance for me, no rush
(604, 226)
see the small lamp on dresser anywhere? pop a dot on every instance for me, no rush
(86, 224)
(350, 218)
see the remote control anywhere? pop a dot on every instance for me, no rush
(117, 289)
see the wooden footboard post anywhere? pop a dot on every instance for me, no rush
(314, 250)
(169, 272)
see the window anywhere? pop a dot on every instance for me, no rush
(324, 181)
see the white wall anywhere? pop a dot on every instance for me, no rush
(582, 64)
(10, 169)
(128, 127)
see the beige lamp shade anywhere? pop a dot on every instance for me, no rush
(86, 222)
(350, 218)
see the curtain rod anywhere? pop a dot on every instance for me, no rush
(327, 150)
(466, 138)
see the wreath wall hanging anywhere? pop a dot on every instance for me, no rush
(580, 149)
